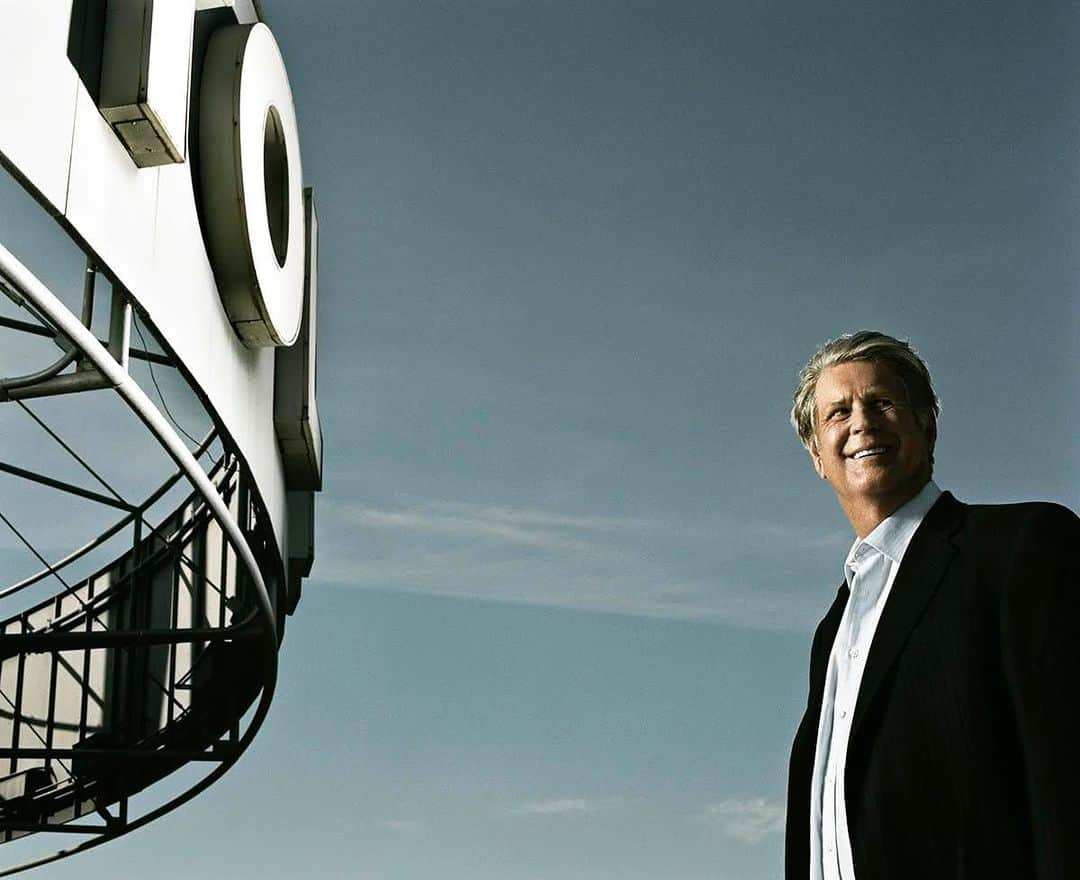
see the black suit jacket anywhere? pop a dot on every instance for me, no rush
(964, 758)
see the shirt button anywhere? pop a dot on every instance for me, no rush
(843, 713)
(854, 652)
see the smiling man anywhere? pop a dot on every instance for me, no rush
(938, 739)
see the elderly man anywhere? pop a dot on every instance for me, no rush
(938, 739)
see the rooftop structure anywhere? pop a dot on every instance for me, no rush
(161, 440)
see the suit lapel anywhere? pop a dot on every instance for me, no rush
(924, 565)
(819, 659)
(806, 736)
(797, 844)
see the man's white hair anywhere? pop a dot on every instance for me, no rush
(867, 345)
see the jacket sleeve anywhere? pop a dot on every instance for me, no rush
(1040, 629)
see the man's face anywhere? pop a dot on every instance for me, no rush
(870, 446)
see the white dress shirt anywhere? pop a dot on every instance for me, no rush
(870, 569)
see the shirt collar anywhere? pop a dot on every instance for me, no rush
(892, 535)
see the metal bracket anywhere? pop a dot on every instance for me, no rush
(52, 381)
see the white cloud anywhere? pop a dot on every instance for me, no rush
(722, 570)
(528, 528)
(403, 826)
(750, 820)
(557, 807)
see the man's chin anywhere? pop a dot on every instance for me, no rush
(886, 490)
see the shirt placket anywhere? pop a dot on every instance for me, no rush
(832, 787)
(850, 661)
(821, 812)
(871, 579)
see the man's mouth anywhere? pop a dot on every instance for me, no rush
(873, 450)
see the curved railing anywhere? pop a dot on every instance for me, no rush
(131, 677)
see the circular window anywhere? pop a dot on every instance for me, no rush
(251, 185)
(276, 178)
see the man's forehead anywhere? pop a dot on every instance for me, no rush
(840, 382)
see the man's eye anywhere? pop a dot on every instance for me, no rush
(838, 413)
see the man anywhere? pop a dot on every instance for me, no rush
(938, 739)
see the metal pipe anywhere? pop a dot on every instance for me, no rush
(137, 354)
(27, 284)
(101, 830)
(119, 328)
(12, 271)
(23, 383)
(68, 383)
(12, 644)
(92, 544)
(52, 483)
(219, 753)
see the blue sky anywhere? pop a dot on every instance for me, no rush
(570, 553)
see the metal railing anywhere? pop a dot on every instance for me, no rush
(136, 658)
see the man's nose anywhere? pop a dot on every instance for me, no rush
(863, 417)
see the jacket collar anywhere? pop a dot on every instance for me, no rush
(893, 534)
(925, 562)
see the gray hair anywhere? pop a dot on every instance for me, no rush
(867, 345)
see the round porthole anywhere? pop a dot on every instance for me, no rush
(251, 185)
(276, 178)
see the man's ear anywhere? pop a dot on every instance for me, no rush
(815, 456)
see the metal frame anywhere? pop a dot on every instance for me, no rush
(101, 365)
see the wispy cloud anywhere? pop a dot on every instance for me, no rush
(721, 570)
(404, 826)
(544, 527)
(557, 807)
(750, 821)
(529, 528)
(494, 517)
